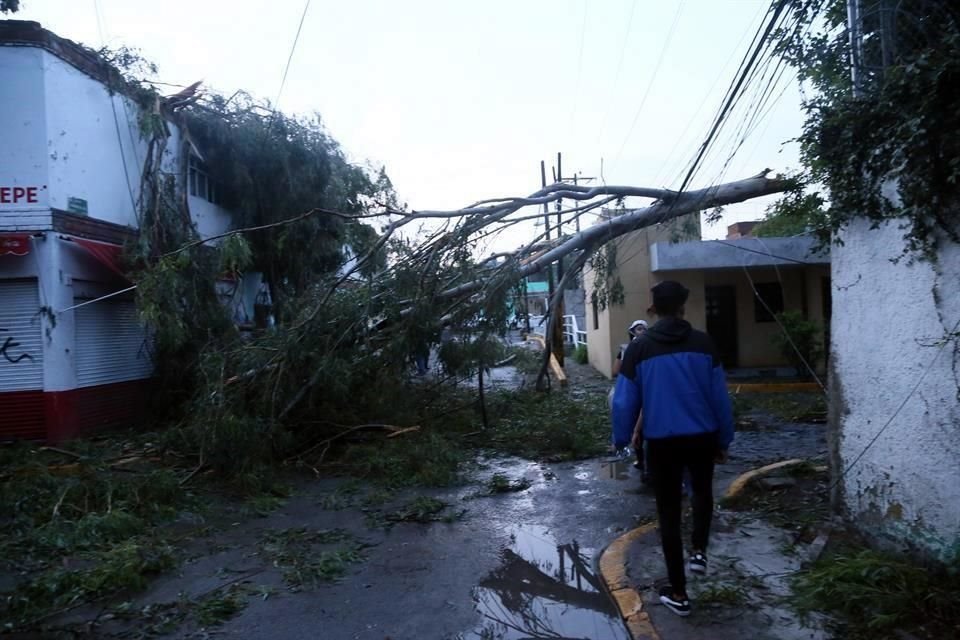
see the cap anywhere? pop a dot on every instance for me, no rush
(635, 324)
(669, 291)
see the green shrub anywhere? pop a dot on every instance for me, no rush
(799, 341)
(878, 593)
(580, 355)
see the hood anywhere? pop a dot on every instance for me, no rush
(669, 330)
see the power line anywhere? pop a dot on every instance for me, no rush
(762, 253)
(786, 334)
(293, 48)
(734, 91)
(616, 75)
(759, 106)
(664, 170)
(116, 118)
(903, 404)
(576, 89)
(653, 77)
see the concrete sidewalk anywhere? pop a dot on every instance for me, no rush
(743, 595)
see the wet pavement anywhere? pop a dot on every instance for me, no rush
(544, 589)
(504, 566)
(513, 565)
(744, 593)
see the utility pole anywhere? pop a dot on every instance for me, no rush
(576, 181)
(558, 342)
(546, 222)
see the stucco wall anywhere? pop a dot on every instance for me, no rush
(66, 136)
(755, 339)
(887, 330)
(23, 162)
(210, 219)
(633, 269)
(87, 148)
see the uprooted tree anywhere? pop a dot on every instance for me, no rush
(351, 303)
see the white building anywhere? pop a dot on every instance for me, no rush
(895, 390)
(71, 156)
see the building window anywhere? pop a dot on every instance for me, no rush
(768, 301)
(596, 316)
(200, 184)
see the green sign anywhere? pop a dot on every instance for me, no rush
(77, 205)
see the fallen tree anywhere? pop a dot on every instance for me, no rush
(341, 356)
(352, 304)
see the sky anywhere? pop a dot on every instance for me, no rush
(460, 101)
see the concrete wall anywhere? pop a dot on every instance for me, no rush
(755, 339)
(888, 347)
(210, 219)
(87, 147)
(65, 136)
(756, 348)
(23, 134)
(741, 252)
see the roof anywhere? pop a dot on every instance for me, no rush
(27, 33)
(742, 252)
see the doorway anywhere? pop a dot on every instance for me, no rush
(722, 322)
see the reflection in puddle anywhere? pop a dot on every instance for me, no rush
(544, 590)
(614, 470)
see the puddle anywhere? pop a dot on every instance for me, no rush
(615, 470)
(544, 589)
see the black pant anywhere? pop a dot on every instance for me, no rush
(667, 457)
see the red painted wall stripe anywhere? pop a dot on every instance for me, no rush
(57, 416)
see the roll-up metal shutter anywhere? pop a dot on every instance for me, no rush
(21, 349)
(111, 344)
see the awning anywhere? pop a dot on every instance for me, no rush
(105, 253)
(14, 244)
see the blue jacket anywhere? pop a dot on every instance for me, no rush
(673, 373)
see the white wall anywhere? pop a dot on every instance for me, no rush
(89, 136)
(63, 135)
(210, 219)
(889, 322)
(23, 162)
(56, 293)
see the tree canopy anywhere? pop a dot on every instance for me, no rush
(884, 148)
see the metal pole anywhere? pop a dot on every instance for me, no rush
(577, 219)
(558, 341)
(855, 29)
(546, 221)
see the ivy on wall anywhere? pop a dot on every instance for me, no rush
(890, 150)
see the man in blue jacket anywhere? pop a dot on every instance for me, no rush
(673, 374)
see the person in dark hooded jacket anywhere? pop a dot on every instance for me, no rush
(673, 374)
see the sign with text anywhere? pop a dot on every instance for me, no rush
(17, 244)
(20, 195)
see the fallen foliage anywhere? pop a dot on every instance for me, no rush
(882, 595)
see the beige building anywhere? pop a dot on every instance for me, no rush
(734, 285)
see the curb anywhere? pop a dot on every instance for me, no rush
(613, 570)
(740, 483)
(613, 565)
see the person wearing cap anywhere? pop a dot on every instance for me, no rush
(635, 329)
(672, 373)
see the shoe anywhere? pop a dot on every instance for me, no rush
(679, 607)
(698, 563)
